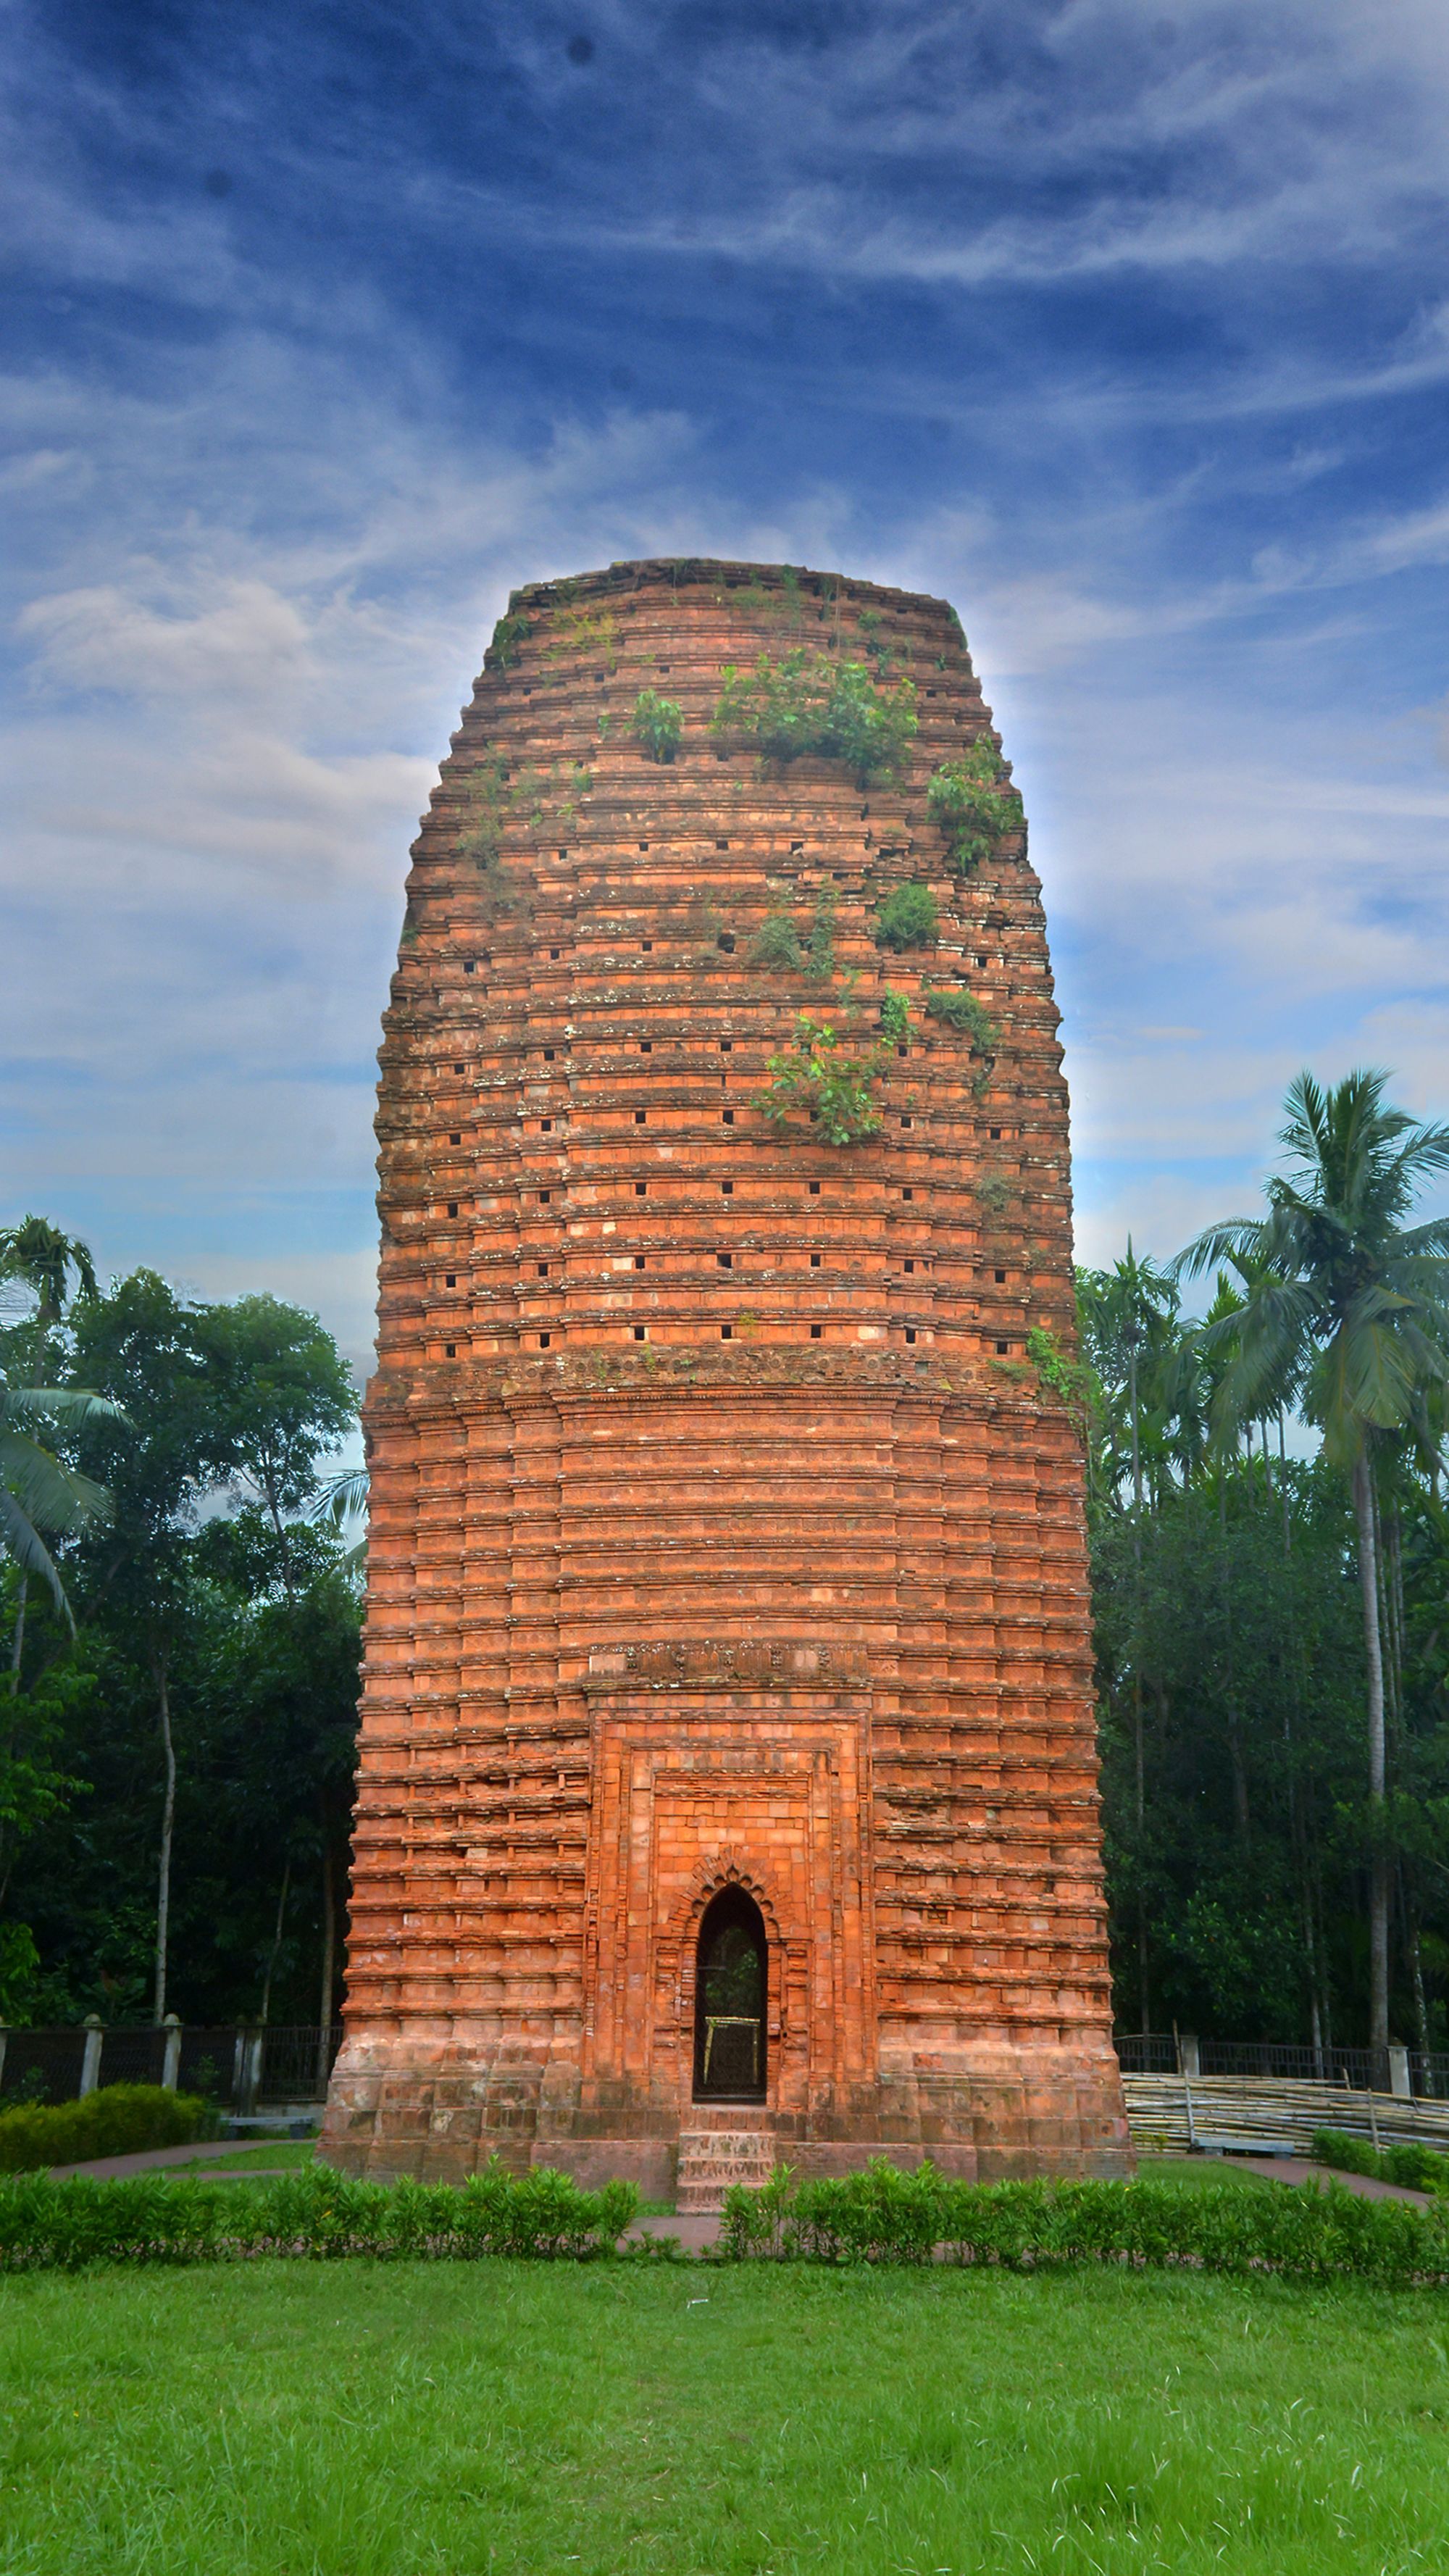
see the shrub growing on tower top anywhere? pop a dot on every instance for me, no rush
(811, 703)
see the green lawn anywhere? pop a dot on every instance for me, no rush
(276, 2157)
(364, 2419)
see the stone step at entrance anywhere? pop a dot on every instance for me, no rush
(711, 2159)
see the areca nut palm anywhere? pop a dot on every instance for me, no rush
(1349, 1308)
(40, 1497)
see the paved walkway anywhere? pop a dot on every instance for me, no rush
(1291, 2169)
(150, 2159)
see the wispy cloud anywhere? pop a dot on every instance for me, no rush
(1125, 330)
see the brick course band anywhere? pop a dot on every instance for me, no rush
(723, 1535)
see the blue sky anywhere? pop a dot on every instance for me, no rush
(1125, 328)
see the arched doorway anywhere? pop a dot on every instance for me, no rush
(730, 1985)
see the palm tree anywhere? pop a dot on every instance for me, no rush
(40, 1497)
(1352, 1309)
(38, 1494)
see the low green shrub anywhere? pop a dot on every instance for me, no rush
(885, 2216)
(961, 1010)
(1413, 2166)
(974, 802)
(812, 703)
(895, 1017)
(120, 2120)
(907, 919)
(776, 943)
(818, 1078)
(166, 2218)
(656, 725)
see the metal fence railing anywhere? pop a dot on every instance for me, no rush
(240, 2066)
(1412, 2073)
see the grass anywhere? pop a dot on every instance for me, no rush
(279, 2155)
(361, 2419)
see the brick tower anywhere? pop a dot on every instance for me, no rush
(728, 1783)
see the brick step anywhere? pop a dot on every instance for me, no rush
(711, 2159)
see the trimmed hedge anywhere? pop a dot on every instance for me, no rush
(885, 2216)
(173, 2218)
(1412, 2165)
(119, 2120)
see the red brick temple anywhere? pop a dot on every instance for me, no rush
(728, 1779)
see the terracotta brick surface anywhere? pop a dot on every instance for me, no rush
(683, 1573)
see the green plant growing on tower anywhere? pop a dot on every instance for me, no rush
(974, 803)
(488, 797)
(777, 943)
(820, 1080)
(961, 1010)
(656, 725)
(895, 1017)
(907, 919)
(820, 963)
(507, 641)
(810, 703)
(595, 636)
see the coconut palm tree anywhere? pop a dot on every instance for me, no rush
(37, 1493)
(1352, 1309)
(39, 1496)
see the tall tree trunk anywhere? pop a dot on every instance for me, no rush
(168, 1813)
(18, 1649)
(329, 1956)
(1235, 1739)
(1363, 1511)
(276, 1941)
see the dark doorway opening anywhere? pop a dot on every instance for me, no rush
(729, 2001)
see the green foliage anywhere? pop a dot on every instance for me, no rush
(233, 1645)
(488, 795)
(657, 725)
(1070, 1379)
(508, 639)
(885, 2216)
(1410, 2164)
(895, 1017)
(907, 919)
(777, 943)
(820, 963)
(813, 703)
(119, 2120)
(597, 636)
(820, 1083)
(974, 804)
(961, 1010)
(541, 2216)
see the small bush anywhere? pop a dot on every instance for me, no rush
(895, 1017)
(907, 919)
(812, 703)
(818, 1076)
(884, 2216)
(119, 2120)
(776, 943)
(508, 637)
(974, 803)
(656, 725)
(961, 1010)
(1411, 2165)
(162, 2218)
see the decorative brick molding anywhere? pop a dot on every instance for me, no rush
(722, 1531)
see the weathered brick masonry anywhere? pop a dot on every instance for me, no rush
(723, 1536)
